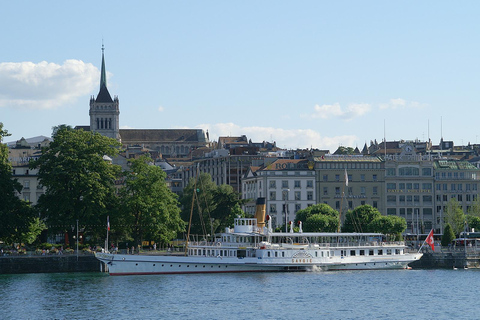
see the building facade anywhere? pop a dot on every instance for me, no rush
(288, 185)
(345, 182)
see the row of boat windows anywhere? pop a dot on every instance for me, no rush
(370, 252)
(213, 253)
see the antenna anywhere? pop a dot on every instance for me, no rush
(384, 139)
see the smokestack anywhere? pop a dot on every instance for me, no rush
(260, 212)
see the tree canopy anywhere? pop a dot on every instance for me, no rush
(388, 225)
(149, 207)
(360, 218)
(448, 235)
(454, 216)
(214, 207)
(318, 218)
(79, 181)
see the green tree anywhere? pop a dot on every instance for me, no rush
(474, 208)
(80, 183)
(473, 221)
(359, 219)
(392, 226)
(148, 205)
(16, 216)
(214, 207)
(454, 216)
(318, 218)
(344, 150)
(448, 235)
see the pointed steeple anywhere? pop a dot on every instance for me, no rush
(103, 94)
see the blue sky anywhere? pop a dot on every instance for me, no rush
(302, 73)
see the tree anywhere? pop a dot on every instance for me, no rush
(474, 209)
(473, 221)
(80, 183)
(16, 215)
(389, 225)
(318, 218)
(148, 205)
(448, 235)
(359, 219)
(454, 216)
(214, 206)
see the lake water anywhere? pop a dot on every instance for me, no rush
(396, 294)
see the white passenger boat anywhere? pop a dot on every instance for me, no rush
(252, 247)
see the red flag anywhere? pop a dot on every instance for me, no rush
(108, 223)
(429, 240)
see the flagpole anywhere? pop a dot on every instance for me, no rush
(425, 241)
(108, 229)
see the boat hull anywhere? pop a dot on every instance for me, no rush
(118, 264)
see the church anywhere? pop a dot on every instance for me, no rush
(167, 143)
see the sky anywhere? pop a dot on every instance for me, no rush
(305, 74)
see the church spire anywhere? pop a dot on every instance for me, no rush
(103, 77)
(103, 94)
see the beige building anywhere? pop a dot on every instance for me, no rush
(365, 185)
(28, 178)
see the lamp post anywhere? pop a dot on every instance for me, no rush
(77, 239)
(285, 196)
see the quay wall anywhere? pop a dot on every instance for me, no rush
(447, 260)
(49, 264)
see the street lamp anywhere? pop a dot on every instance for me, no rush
(285, 196)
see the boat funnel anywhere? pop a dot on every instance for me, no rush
(260, 212)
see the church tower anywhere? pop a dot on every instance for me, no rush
(104, 111)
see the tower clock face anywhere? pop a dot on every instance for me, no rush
(408, 148)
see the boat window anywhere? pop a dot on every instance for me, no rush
(276, 254)
(380, 252)
(316, 253)
(268, 253)
(283, 254)
(389, 251)
(362, 252)
(352, 252)
(397, 251)
(370, 252)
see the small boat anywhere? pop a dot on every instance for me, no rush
(252, 246)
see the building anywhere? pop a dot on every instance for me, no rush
(288, 185)
(345, 182)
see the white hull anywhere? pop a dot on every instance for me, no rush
(119, 264)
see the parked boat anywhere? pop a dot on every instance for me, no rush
(252, 246)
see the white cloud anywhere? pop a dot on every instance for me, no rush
(335, 111)
(402, 103)
(161, 109)
(285, 138)
(45, 85)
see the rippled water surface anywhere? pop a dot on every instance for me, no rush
(399, 294)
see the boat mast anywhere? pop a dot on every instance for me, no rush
(191, 210)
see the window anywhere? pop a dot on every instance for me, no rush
(297, 183)
(273, 208)
(26, 184)
(374, 177)
(362, 177)
(337, 190)
(362, 191)
(408, 171)
(325, 191)
(309, 183)
(273, 184)
(285, 184)
(350, 177)
(375, 191)
(337, 205)
(285, 195)
(337, 177)
(426, 171)
(390, 171)
(297, 195)
(325, 177)
(375, 204)
(392, 199)
(426, 186)
(297, 207)
(273, 195)
(310, 195)
(391, 186)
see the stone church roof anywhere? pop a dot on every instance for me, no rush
(130, 136)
